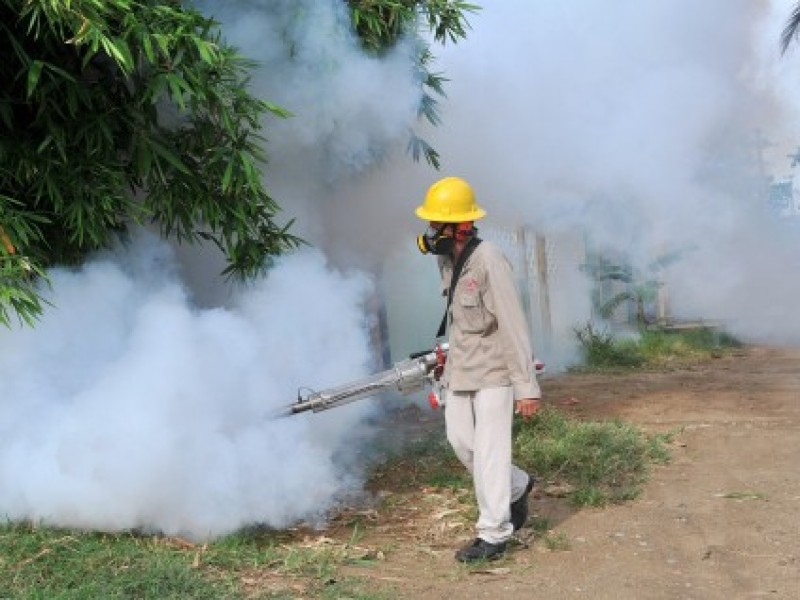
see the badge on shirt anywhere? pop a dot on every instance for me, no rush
(471, 285)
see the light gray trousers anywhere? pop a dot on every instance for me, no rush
(479, 430)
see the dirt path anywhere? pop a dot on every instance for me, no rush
(720, 522)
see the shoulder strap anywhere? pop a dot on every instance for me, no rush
(457, 268)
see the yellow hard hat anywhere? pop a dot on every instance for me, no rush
(450, 200)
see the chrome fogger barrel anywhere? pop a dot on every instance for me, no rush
(406, 377)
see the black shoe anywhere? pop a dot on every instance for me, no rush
(519, 508)
(481, 550)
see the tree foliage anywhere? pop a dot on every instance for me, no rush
(115, 112)
(381, 23)
(790, 30)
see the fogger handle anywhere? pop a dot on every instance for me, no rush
(443, 347)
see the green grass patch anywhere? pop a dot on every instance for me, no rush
(602, 461)
(45, 563)
(557, 541)
(601, 350)
(653, 348)
(540, 525)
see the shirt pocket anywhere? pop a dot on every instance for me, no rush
(470, 312)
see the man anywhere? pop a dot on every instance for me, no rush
(489, 373)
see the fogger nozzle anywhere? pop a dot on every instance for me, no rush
(406, 377)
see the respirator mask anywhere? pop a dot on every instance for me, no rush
(434, 241)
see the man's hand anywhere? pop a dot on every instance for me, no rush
(527, 407)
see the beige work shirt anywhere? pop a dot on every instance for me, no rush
(487, 329)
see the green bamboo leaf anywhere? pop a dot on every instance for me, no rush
(175, 90)
(34, 73)
(72, 101)
(45, 143)
(147, 44)
(169, 156)
(144, 159)
(125, 51)
(204, 49)
(110, 49)
(226, 177)
(163, 43)
(276, 110)
(249, 170)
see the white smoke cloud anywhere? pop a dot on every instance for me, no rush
(349, 108)
(128, 407)
(347, 105)
(597, 116)
(636, 124)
